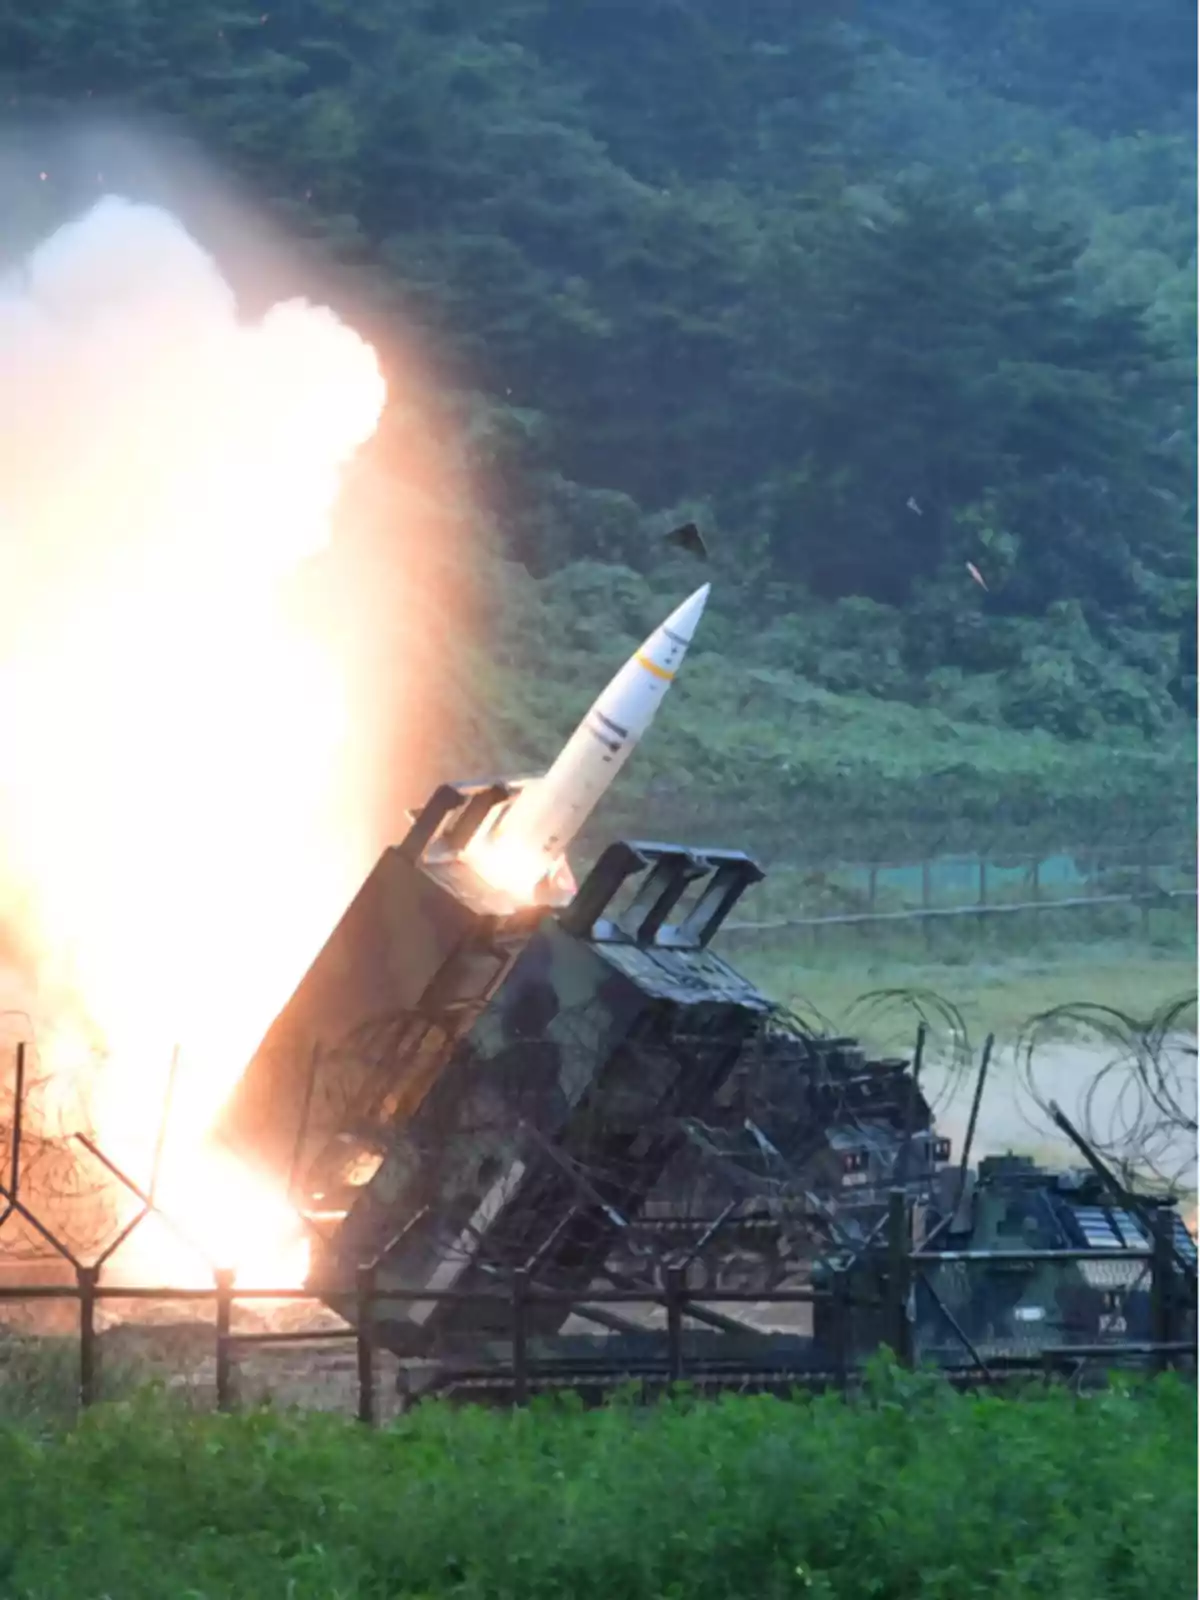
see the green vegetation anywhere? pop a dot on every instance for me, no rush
(994, 992)
(872, 297)
(911, 1492)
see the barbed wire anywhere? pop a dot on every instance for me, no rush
(1138, 1108)
(58, 1186)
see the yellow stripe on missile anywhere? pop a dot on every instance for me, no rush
(653, 666)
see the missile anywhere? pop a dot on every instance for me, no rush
(529, 839)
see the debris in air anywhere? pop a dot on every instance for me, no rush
(689, 538)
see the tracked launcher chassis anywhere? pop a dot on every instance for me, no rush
(461, 1087)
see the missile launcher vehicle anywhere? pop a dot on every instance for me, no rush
(462, 1087)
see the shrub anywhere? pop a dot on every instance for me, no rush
(911, 1491)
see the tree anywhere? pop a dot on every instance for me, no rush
(965, 371)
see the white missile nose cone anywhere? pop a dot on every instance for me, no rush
(685, 619)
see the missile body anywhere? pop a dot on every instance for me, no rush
(529, 839)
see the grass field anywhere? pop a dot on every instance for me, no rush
(998, 992)
(911, 1493)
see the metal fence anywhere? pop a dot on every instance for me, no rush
(971, 888)
(313, 1359)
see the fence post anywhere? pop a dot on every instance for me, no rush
(224, 1278)
(899, 1276)
(675, 1291)
(839, 1324)
(1162, 1287)
(520, 1333)
(87, 1278)
(1144, 890)
(365, 1343)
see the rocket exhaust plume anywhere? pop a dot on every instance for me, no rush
(527, 844)
(171, 851)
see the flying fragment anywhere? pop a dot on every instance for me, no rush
(689, 538)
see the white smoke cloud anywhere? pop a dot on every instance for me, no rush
(141, 422)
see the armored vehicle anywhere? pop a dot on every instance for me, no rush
(964, 1309)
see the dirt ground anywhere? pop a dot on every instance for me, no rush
(1097, 1089)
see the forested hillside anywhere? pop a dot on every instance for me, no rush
(878, 293)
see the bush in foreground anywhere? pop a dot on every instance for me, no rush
(913, 1492)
